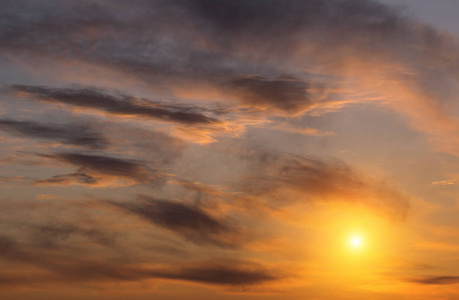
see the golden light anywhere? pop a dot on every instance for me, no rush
(356, 241)
(353, 243)
(357, 245)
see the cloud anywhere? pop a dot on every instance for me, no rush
(223, 39)
(71, 134)
(190, 122)
(189, 221)
(60, 268)
(227, 65)
(285, 93)
(52, 234)
(436, 280)
(444, 183)
(79, 177)
(223, 275)
(200, 188)
(280, 180)
(117, 104)
(92, 168)
(234, 49)
(155, 145)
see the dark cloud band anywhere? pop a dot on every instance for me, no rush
(72, 134)
(117, 104)
(189, 221)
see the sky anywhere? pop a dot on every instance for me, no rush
(229, 149)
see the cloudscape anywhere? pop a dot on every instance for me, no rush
(229, 149)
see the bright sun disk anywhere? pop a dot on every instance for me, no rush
(356, 241)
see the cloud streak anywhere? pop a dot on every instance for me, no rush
(71, 134)
(58, 268)
(117, 104)
(189, 221)
(79, 177)
(285, 93)
(92, 168)
(281, 180)
(436, 280)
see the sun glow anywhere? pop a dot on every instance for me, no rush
(356, 242)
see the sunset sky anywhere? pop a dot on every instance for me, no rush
(229, 149)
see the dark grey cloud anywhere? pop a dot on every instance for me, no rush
(101, 165)
(182, 45)
(223, 275)
(276, 18)
(219, 38)
(118, 104)
(436, 280)
(246, 45)
(229, 25)
(139, 43)
(72, 134)
(285, 93)
(189, 221)
(211, 43)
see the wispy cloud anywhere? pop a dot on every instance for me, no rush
(285, 93)
(117, 104)
(436, 280)
(187, 220)
(72, 134)
(280, 180)
(63, 269)
(91, 168)
(79, 177)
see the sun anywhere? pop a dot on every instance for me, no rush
(356, 241)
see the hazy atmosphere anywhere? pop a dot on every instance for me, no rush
(229, 149)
